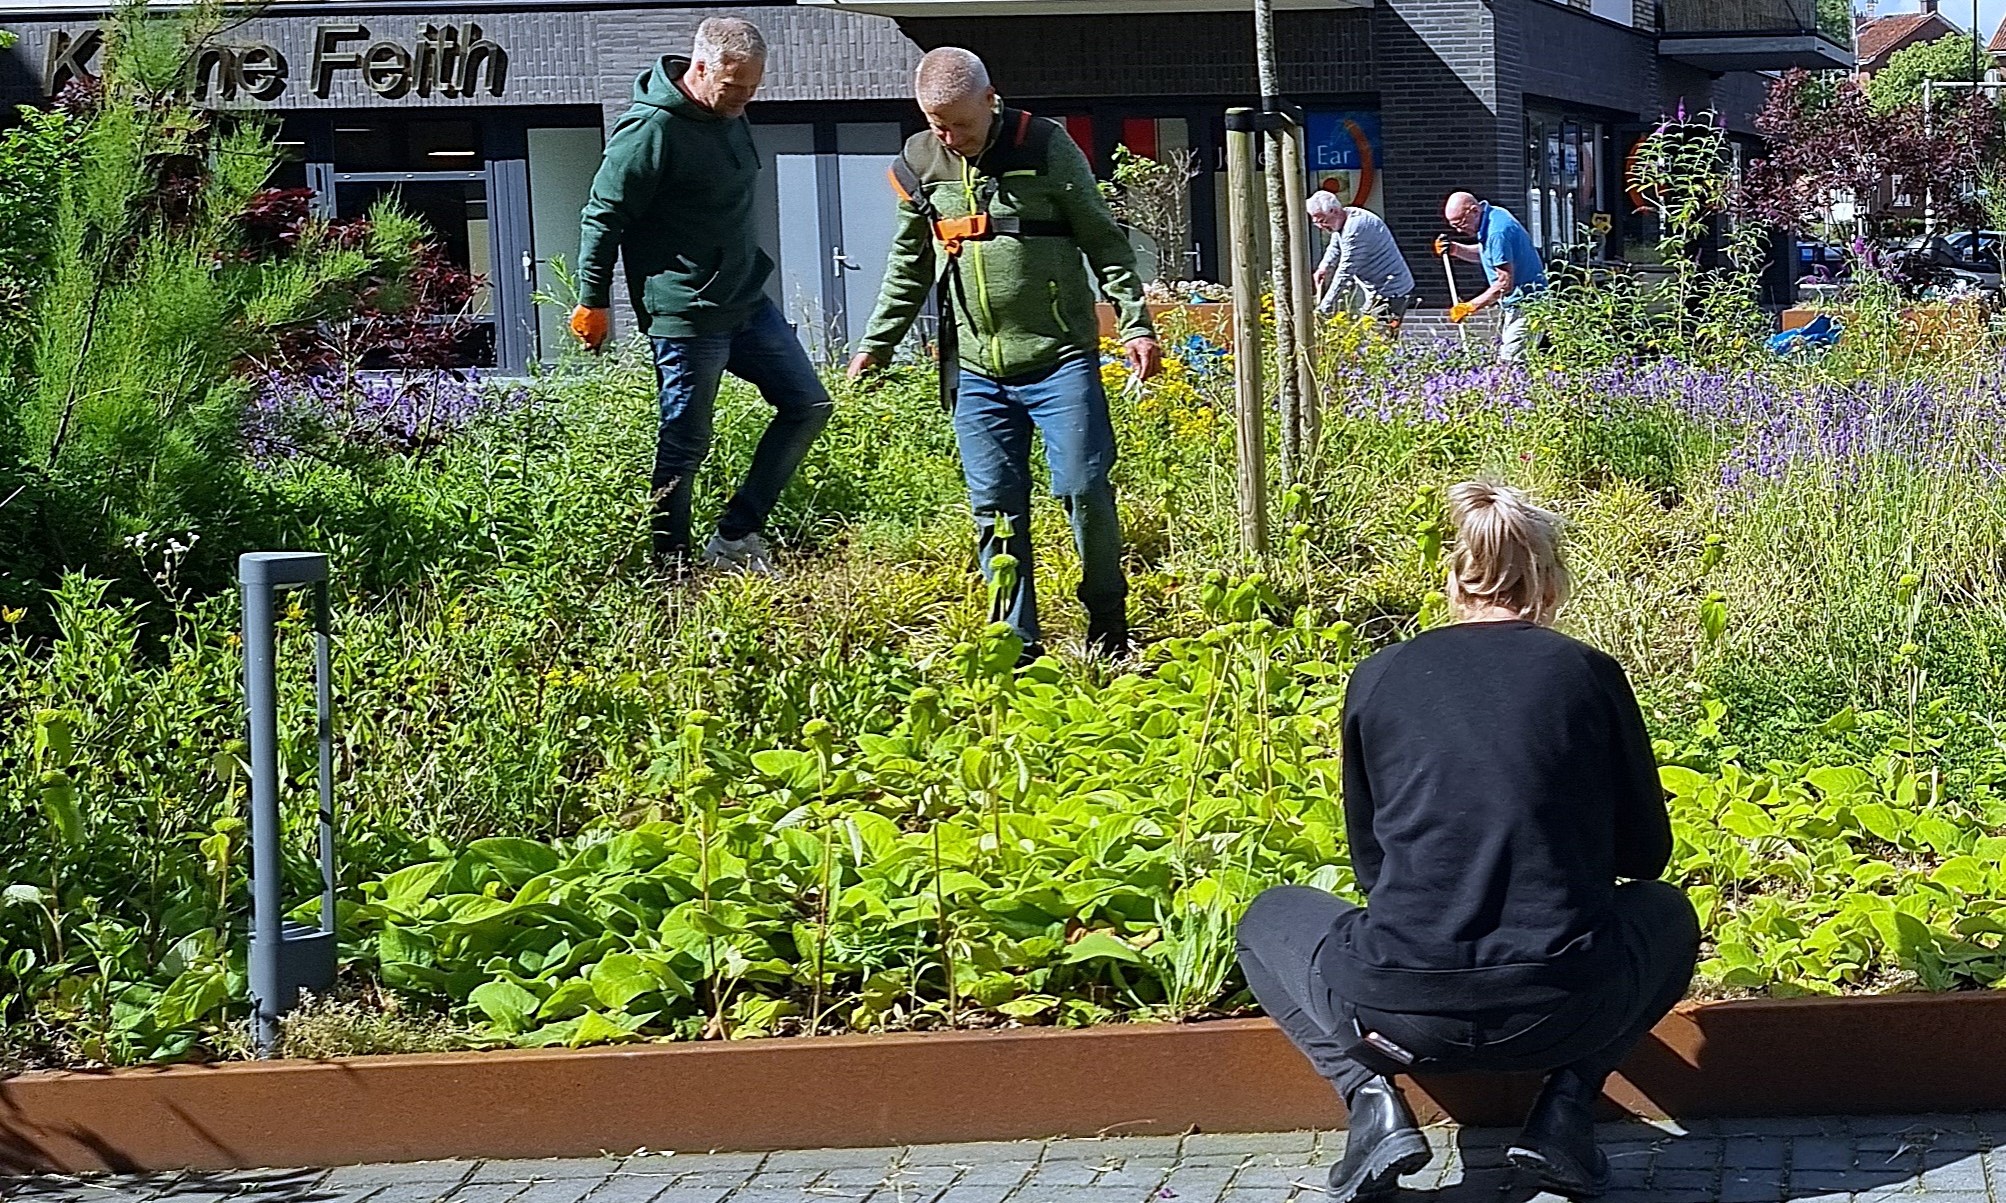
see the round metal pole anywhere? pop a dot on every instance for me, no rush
(323, 679)
(261, 703)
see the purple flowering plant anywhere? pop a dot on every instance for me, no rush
(340, 417)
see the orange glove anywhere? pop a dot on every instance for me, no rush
(1441, 245)
(1461, 311)
(592, 326)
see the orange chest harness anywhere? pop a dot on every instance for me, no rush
(952, 234)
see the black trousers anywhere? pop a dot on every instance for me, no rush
(1590, 1031)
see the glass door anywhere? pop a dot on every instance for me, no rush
(435, 171)
(868, 222)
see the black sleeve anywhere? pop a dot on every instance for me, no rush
(1643, 826)
(1366, 856)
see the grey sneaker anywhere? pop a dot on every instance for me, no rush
(749, 554)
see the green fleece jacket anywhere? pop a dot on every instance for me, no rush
(1030, 303)
(673, 197)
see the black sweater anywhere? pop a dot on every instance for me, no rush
(1497, 782)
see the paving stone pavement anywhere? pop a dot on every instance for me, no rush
(1874, 1159)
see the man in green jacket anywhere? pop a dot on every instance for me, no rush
(1005, 204)
(673, 198)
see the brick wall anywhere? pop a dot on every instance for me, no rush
(815, 53)
(1170, 55)
(1561, 40)
(1439, 116)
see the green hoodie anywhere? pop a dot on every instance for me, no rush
(673, 197)
(1030, 301)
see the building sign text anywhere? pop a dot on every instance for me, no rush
(448, 61)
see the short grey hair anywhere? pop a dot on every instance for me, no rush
(733, 39)
(949, 74)
(1322, 202)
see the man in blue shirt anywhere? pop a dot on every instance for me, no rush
(1510, 261)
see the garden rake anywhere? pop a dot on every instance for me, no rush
(1455, 296)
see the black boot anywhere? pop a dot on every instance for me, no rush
(1108, 639)
(1384, 1142)
(1558, 1143)
(668, 540)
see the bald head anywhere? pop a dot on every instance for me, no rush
(954, 92)
(1461, 211)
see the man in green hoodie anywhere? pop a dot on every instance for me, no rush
(1006, 205)
(673, 198)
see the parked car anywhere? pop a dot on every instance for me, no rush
(1821, 262)
(1979, 250)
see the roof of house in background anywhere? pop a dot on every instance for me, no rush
(1880, 37)
(1998, 42)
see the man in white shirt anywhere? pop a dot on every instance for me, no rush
(1361, 255)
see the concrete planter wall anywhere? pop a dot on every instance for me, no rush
(1937, 1053)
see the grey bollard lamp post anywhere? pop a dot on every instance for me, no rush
(286, 957)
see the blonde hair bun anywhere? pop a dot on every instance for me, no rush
(1507, 551)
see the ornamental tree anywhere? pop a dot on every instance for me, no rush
(1830, 148)
(1947, 59)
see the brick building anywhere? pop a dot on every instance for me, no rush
(1876, 39)
(487, 115)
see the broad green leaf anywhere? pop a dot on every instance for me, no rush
(1965, 874)
(199, 990)
(1029, 1006)
(1748, 821)
(795, 769)
(1681, 781)
(570, 998)
(516, 860)
(60, 808)
(55, 736)
(1841, 784)
(619, 979)
(23, 894)
(1940, 834)
(1101, 945)
(403, 945)
(466, 909)
(595, 1027)
(508, 1006)
(1879, 821)
(408, 888)
(550, 1035)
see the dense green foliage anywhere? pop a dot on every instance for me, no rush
(138, 286)
(1949, 58)
(580, 802)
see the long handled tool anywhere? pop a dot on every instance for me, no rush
(1455, 295)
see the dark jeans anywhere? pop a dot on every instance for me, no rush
(993, 420)
(1590, 1031)
(765, 354)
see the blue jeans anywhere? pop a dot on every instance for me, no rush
(765, 354)
(992, 424)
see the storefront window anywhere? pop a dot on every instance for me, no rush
(1563, 190)
(408, 146)
(455, 210)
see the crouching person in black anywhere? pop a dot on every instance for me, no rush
(1497, 783)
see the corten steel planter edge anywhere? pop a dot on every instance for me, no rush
(1900, 1053)
(1213, 319)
